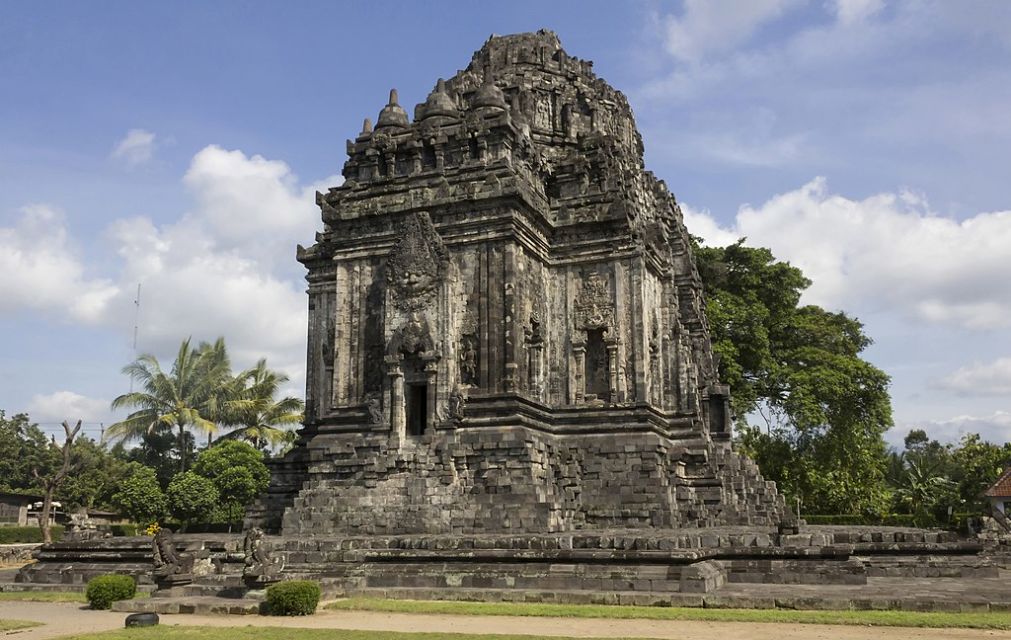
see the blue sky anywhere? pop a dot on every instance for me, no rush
(179, 144)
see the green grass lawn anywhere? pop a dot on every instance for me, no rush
(42, 596)
(162, 632)
(50, 596)
(11, 625)
(863, 618)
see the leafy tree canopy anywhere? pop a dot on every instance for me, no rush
(140, 495)
(190, 396)
(191, 497)
(23, 447)
(797, 370)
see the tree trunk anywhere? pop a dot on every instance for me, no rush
(182, 448)
(47, 508)
(51, 483)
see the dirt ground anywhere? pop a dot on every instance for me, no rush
(63, 619)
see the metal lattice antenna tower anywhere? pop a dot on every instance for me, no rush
(136, 323)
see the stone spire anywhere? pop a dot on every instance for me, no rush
(439, 103)
(392, 115)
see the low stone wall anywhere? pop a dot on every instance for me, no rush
(76, 562)
(683, 566)
(15, 554)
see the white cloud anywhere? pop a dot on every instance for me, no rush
(42, 271)
(247, 201)
(136, 148)
(995, 428)
(850, 12)
(981, 378)
(67, 405)
(886, 252)
(703, 225)
(226, 267)
(708, 26)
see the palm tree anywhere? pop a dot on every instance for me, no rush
(258, 417)
(922, 489)
(190, 396)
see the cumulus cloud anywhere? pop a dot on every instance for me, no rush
(995, 427)
(707, 26)
(981, 378)
(136, 148)
(224, 268)
(42, 270)
(248, 200)
(886, 252)
(67, 405)
(227, 266)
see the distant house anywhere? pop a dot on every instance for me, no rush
(999, 494)
(14, 509)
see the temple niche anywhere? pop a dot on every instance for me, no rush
(506, 328)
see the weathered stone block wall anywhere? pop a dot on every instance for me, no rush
(506, 479)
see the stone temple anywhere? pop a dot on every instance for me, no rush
(511, 392)
(506, 325)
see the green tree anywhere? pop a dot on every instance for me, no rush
(191, 396)
(798, 369)
(192, 498)
(140, 496)
(237, 470)
(23, 447)
(257, 416)
(976, 464)
(159, 450)
(925, 494)
(98, 473)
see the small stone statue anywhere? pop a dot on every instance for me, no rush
(457, 404)
(169, 564)
(260, 566)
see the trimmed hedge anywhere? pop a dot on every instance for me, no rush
(127, 530)
(102, 591)
(890, 520)
(293, 598)
(26, 535)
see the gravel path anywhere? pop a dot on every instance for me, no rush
(64, 619)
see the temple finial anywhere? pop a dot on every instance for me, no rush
(367, 126)
(393, 97)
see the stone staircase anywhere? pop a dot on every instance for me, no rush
(221, 593)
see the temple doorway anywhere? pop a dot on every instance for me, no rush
(417, 408)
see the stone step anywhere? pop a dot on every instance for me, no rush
(202, 605)
(220, 591)
(561, 596)
(42, 587)
(220, 579)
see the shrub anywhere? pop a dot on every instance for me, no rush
(26, 535)
(102, 591)
(293, 598)
(889, 520)
(127, 530)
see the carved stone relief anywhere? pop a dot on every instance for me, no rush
(594, 308)
(418, 263)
